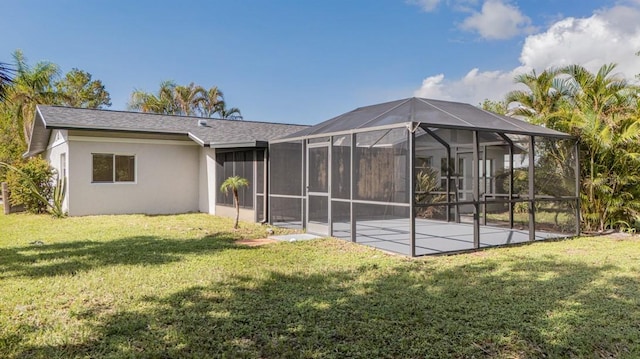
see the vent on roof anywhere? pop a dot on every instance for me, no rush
(202, 122)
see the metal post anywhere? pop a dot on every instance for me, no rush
(577, 191)
(254, 178)
(484, 185)
(532, 189)
(351, 187)
(265, 187)
(329, 187)
(305, 197)
(476, 189)
(510, 203)
(412, 189)
(448, 184)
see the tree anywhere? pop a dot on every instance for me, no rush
(210, 104)
(77, 89)
(543, 98)
(233, 184)
(32, 86)
(232, 113)
(6, 79)
(499, 107)
(604, 93)
(604, 115)
(602, 110)
(190, 100)
(31, 186)
(162, 103)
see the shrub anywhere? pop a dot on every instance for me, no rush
(22, 193)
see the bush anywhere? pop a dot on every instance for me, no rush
(38, 171)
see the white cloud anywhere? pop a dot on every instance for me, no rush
(498, 21)
(473, 88)
(611, 35)
(425, 5)
(432, 87)
(607, 36)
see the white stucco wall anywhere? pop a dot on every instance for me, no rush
(167, 177)
(58, 151)
(207, 180)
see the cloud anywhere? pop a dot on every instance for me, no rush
(608, 36)
(473, 88)
(498, 21)
(425, 5)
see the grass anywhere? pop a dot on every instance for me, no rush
(180, 286)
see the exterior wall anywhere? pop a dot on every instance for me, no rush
(207, 179)
(57, 154)
(167, 177)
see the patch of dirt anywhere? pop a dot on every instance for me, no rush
(255, 242)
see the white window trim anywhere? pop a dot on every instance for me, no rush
(114, 182)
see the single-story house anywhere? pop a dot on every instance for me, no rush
(414, 176)
(119, 162)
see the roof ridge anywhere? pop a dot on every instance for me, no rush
(426, 101)
(168, 115)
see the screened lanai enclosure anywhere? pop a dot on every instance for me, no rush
(420, 176)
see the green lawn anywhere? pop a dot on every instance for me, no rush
(178, 286)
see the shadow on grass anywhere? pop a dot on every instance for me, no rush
(69, 258)
(514, 308)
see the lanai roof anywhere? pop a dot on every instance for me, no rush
(426, 112)
(213, 133)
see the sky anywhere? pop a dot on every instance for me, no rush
(306, 61)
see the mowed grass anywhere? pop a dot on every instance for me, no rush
(181, 286)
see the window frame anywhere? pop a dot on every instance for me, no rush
(114, 169)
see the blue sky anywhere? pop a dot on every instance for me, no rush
(307, 61)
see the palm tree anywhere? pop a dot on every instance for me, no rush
(188, 98)
(6, 79)
(32, 86)
(233, 184)
(232, 113)
(604, 116)
(603, 110)
(210, 103)
(603, 93)
(543, 98)
(163, 103)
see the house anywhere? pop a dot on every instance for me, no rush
(413, 176)
(120, 162)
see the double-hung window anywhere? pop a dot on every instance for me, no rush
(110, 168)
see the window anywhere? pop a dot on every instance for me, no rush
(239, 163)
(109, 168)
(486, 176)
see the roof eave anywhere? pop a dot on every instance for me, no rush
(39, 140)
(256, 143)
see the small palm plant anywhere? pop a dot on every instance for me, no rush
(233, 184)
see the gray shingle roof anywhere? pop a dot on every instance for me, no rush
(427, 112)
(215, 133)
